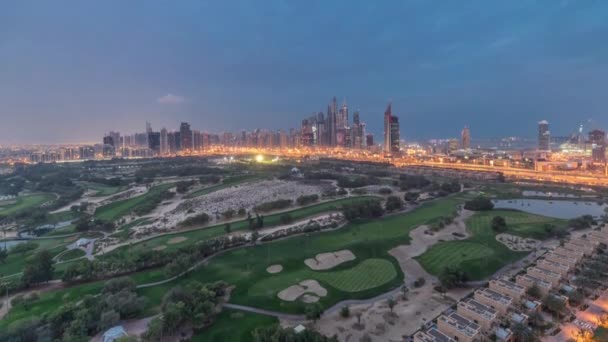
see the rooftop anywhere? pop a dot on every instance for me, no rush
(509, 285)
(479, 308)
(433, 335)
(462, 324)
(539, 282)
(495, 296)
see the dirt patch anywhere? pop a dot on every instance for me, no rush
(517, 243)
(326, 261)
(177, 239)
(159, 248)
(294, 292)
(273, 269)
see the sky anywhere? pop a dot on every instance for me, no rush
(72, 70)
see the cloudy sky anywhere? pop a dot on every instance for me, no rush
(72, 70)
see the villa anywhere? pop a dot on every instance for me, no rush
(553, 266)
(432, 335)
(562, 259)
(494, 299)
(576, 254)
(462, 329)
(528, 281)
(546, 275)
(577, 245)
(477, 312)
(508, 288)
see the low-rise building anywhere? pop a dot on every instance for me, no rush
(562, 259)
(508, 288)
(533, 305)
(577, 245)
(598, 236)
(478, 313)
(493, 299)
(546, 275)
(458, 327)
(553, 266)
(576, 254)
(432, 335)
(503, 335)
(519, 318)
(528, 281)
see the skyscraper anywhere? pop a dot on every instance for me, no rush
(391, 131)
(544, 136)
(164, 142)
(332, 110)
(466, 138)
(154, 142)
(186, 136)
(597, 139)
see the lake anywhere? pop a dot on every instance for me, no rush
(558, 209)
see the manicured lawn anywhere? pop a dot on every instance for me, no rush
(481, 255)
(72, 254)
(233, 326)
(601, 335)
(226, 183)
(50, 301)
(14, 263)
(192, 236)
(104, 190)
(26, 202)
(115, 210)
(246, 267)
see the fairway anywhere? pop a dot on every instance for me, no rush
(481, 255)
(226, 183)
(115, 210)
(14, 263)
(25, 202)
(103, 190)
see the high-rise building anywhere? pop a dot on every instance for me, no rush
(332, 110)
(164, 142)
(391, 131)
(108, 140)
(465, 138)
(197, 140)
(369, 140)
(544, 136)
(186, 136)
(597, 139)
(154, 142)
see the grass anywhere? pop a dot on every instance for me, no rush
(481, 255)
(25, 203)
(233, 326)
(50, 301)
(226, 183)
(115, 210)
(601, 334)
(14, 263)
(72, 254)
(195, 235)
(246, 267)
(104, 190)
(370, 241)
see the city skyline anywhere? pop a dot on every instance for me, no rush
(68, 80)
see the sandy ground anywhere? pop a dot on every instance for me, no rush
(294, 292)
(159, 248)
(326, 261)
(177, 239)
(95, 201)
(273, 269)
(422, 305)
(517, 243)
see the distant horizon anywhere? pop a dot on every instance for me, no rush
(76, 71)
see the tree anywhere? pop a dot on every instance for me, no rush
(393, 203)
(313, 312)
(452, 277)
(345, 311)
(479, 203)
(391, 302)
(554, 304)
(227, 228)
(534, 291)
(499, 224)
(411, 196)
(522, 333)
(3, 255)
(108, 319)
(39, 269)
(404, 291)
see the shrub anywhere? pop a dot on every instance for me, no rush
(393, 203)
(499, 225)
(364, 209)
(199, 219)
(307, 199)
(479, 203)
(411, 196)
(385, 191)
(274, 205)
(345, 312)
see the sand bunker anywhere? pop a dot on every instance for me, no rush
(517, 243)
(326, 261)
(159, 248)
(177, 240)
(308, 298)
(272, 269)
(294, 292)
